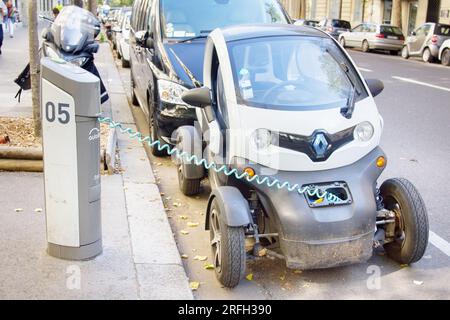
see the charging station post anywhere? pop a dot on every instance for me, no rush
(70, 107)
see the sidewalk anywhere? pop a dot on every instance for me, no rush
(140, 259)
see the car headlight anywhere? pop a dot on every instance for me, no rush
(262, 138)
(79, 62)
(364, 131)
(171, 92)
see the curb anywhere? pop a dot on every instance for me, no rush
(159, 269)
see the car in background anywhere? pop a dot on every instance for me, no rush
(370, 36)
(444, 53)
(426, 41)
(334, 27)
(122, 38)
(167, 42)
(116, 25)
(305, 22)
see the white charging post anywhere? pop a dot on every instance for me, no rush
(70, 106)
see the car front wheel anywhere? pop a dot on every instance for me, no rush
(342, 42)
(405, 53)
(445, 60)
(426, 55)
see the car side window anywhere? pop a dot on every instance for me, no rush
(372, 29)
(358, 28)
(426, 29)
(221, 100)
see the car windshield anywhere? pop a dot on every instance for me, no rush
(443, 30)
(186, 19)
(341, 24)
(292, 72)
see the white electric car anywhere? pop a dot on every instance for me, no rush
(287, 104)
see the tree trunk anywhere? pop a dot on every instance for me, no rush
(302, 9)
(92, 6)
(33, 40)
(397, 13)
(78, 3)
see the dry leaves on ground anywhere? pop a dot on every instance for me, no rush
(20, 132)
(194, 285)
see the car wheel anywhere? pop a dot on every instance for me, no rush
(228, 248)
(119, 56)
(342, 42)
(411, 221)
(157, 149)
(405, 52)
(125, 63)
(365, 46)
(394, 52)
(134, 99)
(426, 55)
(189, 187)
(445, 60)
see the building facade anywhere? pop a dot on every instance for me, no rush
(413, 12)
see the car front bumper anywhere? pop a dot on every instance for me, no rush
(324, 237)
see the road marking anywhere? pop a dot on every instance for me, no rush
(439, 243)
(364, 69)
(421, 83)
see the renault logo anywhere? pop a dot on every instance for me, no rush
(320, 145)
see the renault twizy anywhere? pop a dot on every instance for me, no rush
(287, 103)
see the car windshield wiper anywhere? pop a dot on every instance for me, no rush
(351, 100)
(203, 35)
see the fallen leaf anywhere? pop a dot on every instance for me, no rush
(208, 266)
(184, 256)
(193, 224)
(418, 283)
(184, 232)
(194, 285)
(18, 210)
(283, 277)
(249, 277)
(298, 271)
(404, 266)
(177, 204)
(306, 285)
(182, 217)
(262, 252)
(201, 258)
(38, 210)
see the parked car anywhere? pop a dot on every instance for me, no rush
(305, 22)
(426, 40)
(116, 24)
(444, 53)
(334, 27)
(122, 39)
(370, 36)
(167, 48)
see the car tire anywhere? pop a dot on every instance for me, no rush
(411, 219)
(365, 46)
(393, 52)
(342, 42)
(426, 55)
(154, 129)
(189, 187)
(228, 248)
(445, 59)
(125, 63)
(134, 99)
(119, 56)
(405, 52)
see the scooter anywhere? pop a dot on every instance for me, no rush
(288, 133)
(71, 38)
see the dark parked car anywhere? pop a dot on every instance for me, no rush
(167, 49)
(334, 27)
(304, 22)
(425, 41)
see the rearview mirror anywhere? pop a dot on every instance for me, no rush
(375, 86)
(141, 37)
(199, 97)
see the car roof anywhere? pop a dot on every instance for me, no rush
(241, 32)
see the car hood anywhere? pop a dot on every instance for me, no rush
(186, 61)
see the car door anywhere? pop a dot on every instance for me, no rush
(133, 43)
(418, 39)
(354, 36)
(141, 84)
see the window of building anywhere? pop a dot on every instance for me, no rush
(334, 8)
(387, 12)
(357, 10)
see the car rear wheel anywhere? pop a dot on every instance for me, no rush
(125, 63)
(445, 60)
(405, 53)
(134, 99)
(154, 129)
(365, 46)
(411, 221)
(342, 42)
(426, 55)
(393, 52)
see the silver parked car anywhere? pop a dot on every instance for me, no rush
(444, 53)
(370, 36)
(122, 39)
(426, 40)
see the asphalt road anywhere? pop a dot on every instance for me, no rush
(415, 139)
